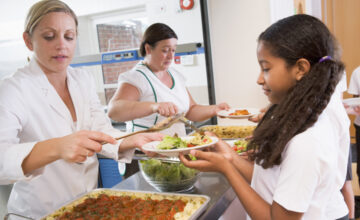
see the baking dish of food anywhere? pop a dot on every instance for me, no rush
(122, 204)
(230, 132)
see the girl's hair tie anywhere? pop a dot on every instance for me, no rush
(322, 59)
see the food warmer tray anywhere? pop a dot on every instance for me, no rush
(94, 193)
(229, 132)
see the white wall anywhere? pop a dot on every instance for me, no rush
(186, 24)
(234, 28)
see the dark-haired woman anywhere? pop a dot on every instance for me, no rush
(300, 147)
(153, 90)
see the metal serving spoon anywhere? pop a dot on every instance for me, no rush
(163, 159)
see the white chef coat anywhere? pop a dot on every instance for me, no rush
(312, 170)
(32, 111)
(151, 89)
(354, 89)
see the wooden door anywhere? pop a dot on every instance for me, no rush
(343, 19)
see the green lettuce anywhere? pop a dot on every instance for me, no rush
(169, 143)
(168, 172)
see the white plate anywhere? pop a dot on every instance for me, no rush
(152, 146)
(352, 102)
(226, 113)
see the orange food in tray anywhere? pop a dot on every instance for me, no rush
(240, 112)
(119, 204)
(125, 207)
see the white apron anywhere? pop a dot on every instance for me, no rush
(153, 90)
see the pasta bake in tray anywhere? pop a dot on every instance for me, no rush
(230, 132)
(110, 203)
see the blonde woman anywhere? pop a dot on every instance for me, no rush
(51, 120)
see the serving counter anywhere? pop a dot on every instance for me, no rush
(213, 185)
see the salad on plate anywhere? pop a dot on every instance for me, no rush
(172, 146)
(175, 142)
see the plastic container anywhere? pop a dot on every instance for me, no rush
(109, 173)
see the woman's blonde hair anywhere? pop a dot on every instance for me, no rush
(41, 8)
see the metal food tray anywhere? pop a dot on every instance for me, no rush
(118, 192)
(234, 131)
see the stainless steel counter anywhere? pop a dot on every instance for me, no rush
(213, 185)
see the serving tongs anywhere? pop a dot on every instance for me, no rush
(164, 124)
(162, 159)
(187, 122)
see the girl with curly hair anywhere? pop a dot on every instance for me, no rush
(298, 153)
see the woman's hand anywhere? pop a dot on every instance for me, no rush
(357, 109)
(82, 144)
(165, 109)
(138, 140)
(221, 106)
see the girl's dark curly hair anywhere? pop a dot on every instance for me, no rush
(292, 38)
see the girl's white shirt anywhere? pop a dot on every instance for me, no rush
(32, 111)
(313, 168)
(149, 87)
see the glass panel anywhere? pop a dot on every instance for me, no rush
(115, 36)
(121, 35)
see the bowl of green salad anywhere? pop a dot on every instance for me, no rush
(168, 176)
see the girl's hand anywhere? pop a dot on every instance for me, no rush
(217, 160)
(138, 140)
(357, 109)
(166, 109)
(206, 161)
(259, 116)
(352, 110)
(225, 149)
(80, 145)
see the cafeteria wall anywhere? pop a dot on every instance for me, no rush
(234, 28)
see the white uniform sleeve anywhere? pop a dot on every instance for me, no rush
(300, 163)
(136, 79)
(13, 118)
(354, 86)
(100, 122)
